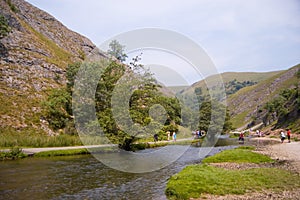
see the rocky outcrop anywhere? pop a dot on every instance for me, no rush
(34, 57)
(47, 25)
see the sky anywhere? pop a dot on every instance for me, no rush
(256, 35)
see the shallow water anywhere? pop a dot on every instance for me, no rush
(84, 177)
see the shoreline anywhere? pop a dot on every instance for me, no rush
(24, 152)
(285, 157)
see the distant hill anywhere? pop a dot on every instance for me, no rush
(247, 94)
(228, 77)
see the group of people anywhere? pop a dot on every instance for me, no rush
(155, 137)
(173, 135)
(283, 136)
(197, 134)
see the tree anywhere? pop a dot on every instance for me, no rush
(57, 108)
(117, 50)
(4, 27)
(217, 119)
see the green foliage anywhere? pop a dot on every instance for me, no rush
(82, 55)
(215, 116)
(144, 98)
(283, 107)
(12, 6)
(117, 50)
(58, 108)
(5, 29)
(233, 86)
(12, 154)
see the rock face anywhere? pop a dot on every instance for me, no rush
(34, 57)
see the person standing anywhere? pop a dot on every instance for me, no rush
(174, 136)
(241, 138)
(155, 137)
(282, 135)
(289, 135)
(168, 135)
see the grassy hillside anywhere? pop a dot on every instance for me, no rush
(246, 104)
(248, 92)
(230, 76)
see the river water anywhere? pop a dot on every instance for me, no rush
(84, 177)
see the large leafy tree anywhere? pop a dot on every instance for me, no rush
(144, 97)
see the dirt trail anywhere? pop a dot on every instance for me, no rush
(289, 154)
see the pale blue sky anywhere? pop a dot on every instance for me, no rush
(256, 35)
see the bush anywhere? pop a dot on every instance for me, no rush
(12, 154)
(4, 27)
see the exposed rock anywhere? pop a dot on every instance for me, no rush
(254, 99)
(34, 57)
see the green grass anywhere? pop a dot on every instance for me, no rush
(239, 120)
(196, 180)
(60, 57)
(37, 140)
(71, 152)
(67, 152)
(239, 155)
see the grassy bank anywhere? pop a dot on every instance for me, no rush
(239, 155)
(13, 154)
(40, 140)
(71, 152)
(67, 152)
(197, 180)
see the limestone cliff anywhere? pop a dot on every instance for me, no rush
(34, 57)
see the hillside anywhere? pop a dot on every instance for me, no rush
(34, 56)
(228, 77)
(247, 104)
(247, 94)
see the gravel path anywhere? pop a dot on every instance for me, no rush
(287, 156)
(285, 152)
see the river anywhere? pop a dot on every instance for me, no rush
(84, 177)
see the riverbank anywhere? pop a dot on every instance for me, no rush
(79, 150)
(282, 183)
